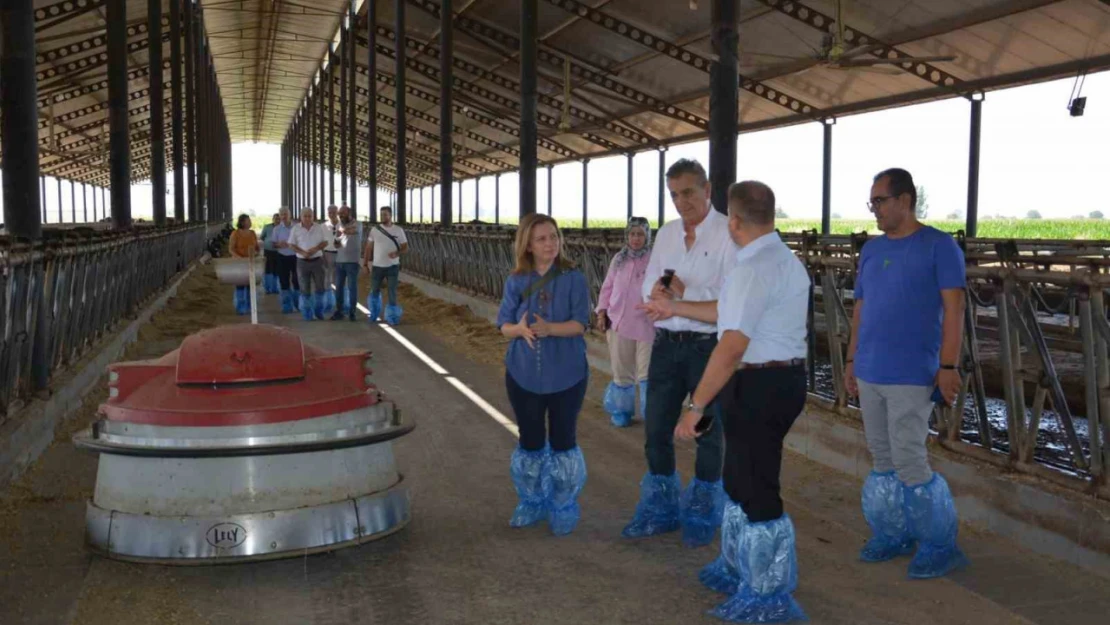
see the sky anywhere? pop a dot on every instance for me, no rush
(1035, 156)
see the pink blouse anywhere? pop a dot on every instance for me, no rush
(620, 294)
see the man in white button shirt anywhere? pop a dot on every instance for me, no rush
(698, 250)
(757, 375)
(384, 248)
(333, 232)
(308, 240)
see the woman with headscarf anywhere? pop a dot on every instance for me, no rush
(629, 331)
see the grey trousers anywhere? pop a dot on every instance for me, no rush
(311, 274)
(896, 424)
(329, 269)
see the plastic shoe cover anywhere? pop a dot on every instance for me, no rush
(287, 302)
(768, 569)
(931, 517)
(242, 301)
(269, 282)
(296, 299)
(883, 509)
(620, 403)
(643, 399)
(701, 508)
(527, 469)
(657, 512)
(275, 284)
(393, 314)
(308, 301)
(721, 574)
(319, 305)
(562, 481)
(329, 301)
(374, 303)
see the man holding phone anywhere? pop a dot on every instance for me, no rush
(757, 374)
(907, 327)
(688, 263)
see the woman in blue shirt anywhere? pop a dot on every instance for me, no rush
(545, 310)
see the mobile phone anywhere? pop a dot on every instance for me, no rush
(704, 424)
(666, 279)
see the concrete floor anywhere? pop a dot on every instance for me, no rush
(459, 562)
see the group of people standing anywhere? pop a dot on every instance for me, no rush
(304, 260)
(709, 325)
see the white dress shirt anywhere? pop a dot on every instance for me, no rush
(383, 246)
(702, 268)
(308, 238)
(766, 297)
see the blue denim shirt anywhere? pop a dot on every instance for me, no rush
(557, 363)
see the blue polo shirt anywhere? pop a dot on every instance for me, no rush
(899, 282)
(556, 363)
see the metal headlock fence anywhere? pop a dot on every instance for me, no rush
(1035, 322)
(87, 281)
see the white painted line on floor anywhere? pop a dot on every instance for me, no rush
(494, 413)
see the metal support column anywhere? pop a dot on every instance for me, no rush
(550, 191)
(477, 209)
(630, 157)
(190, 110)
(175, 98)
(497, 198)
(372, 108)
(321, 148)
(120, 150)
(157, 120)
(42, 183)
(724, 102)
(446, 120)
(973, 166)
(826, 177)
(528, 128)
(19, 116)
(399, 76)
(310, 158)
(662, 184)
(585, 193)
(343, 36)
(352, 83)
(73, 201)
(61, 218)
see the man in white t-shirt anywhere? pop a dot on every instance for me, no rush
(308, 241)
(384, 248)
(330, 226)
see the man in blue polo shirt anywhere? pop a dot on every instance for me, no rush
(904, 355)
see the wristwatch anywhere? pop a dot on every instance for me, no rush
(692, 407)
(948, 367)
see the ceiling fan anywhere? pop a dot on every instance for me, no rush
(838, 53)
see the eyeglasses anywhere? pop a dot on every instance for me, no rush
(876, 202)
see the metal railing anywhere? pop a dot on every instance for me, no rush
(86, 281)
(1034, 303)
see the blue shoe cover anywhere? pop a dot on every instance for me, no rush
(308, 301)
(275, 284)
(620, 403)
(657, 512)
(722, 574)
(329, 301)
(393, 314)
(768, 571)
(242, 300)
(643, 399)
(931, 517)
(269, 282)
(884, 511)
(296, 299)
(701, 507)
(319, 301)
(527, 469)
(287, 302)
(374, 303)
(562, 481)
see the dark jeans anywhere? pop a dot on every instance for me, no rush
(378, 274)
(674, 373)
(346, 274)
(271, 261)
(560, 409)
(759, 406)
(287, 271)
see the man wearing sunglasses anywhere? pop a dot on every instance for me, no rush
(907, 326)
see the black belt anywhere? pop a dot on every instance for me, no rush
(310, 260)
(773, 364)
(685, 336)
(331, 252)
